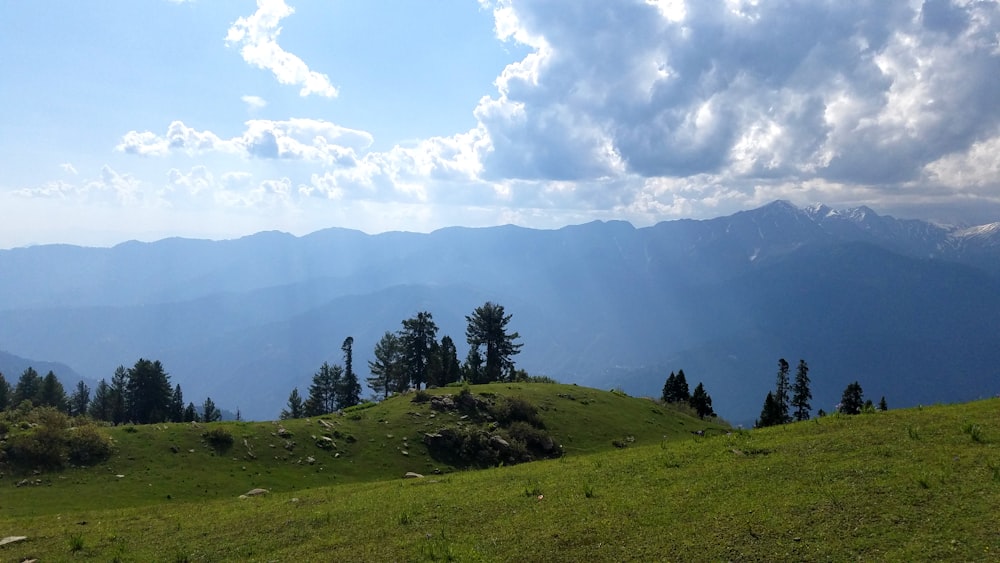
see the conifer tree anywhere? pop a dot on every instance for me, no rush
(323, 390)
(701, 402)
(801, 393)
(177, 405)
(209, 412)
(348, 390)
(770, 414)
(387, 368)
(852, 399)
(148, 392)
(120, 400)
(5, 393)
(668, 388)
(451, 369)
(190, 413)
(79, 400)
(28, 387)
(781, 391)
(882, 405)
(472, 370)
(418, 337)
(52, 394)
(294, 409)
(102, 407)
(487, 328)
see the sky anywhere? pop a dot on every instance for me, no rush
(144, 119)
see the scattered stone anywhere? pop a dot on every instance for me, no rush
(412, 475)
(256, 492)
(12, 539)
(283, 432)
(336, 455)
(325, 424)
(190, 451)
(294, 499)
(326, 443)
(23, 483)
(499, 442)
(175, 449)
(310, 460)
(406, 453)
(120, 476)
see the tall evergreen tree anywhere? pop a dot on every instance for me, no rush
(190, 413)
(177, 405)
(102, 407)
(770, 415)
(852, 400)
(348, 391)
(209, 412)
(487, 328)
(387, 368)
(5, 393)
(28, 388)
(79, 400)
(472, 370)
(701, 402)
(323, 391)
(294, 409)
(120, 401)
(882, 405)
(781, 390)
(419, 335)
(451, 369)
(668, 388)
(52, 394)
(148, 392)
(801, 395)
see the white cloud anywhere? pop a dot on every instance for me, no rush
(293, 139)
(257, 38)
(254, 103)
(69, 168)
(109, 185)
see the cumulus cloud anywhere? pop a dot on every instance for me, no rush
(257, 38)
(743, 94)
(294, 139)
(108, 185)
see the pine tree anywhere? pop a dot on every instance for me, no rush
(102, 407)
(120, 401)
(472, 370)
(701, 402)
(5, 393)
(79, 400)
(209, 413)
(770, 415)
(177, 405)
(28, 387)
(323, 391)
(190, 413)
(668, 388)
(451, 369)
(681, 393)
(801, 393)
(52, 394)
(387, 368)
(487, 328)
(852, 399)
(882, 405)
(148, 392)
(348, 390)
(294, 409)
(418, 338)
(781, 391)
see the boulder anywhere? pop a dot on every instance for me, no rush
(412, 475)
(499, 443)
(12, 539)
(255, 493)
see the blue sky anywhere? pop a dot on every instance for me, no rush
(135, 119)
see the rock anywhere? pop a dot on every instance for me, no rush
(175, 449)
(283, 432)
(412, 475)
(499, 442)
(326, 443)
(404, 452)
(442, 403)
(256, 492)
(23, 483)
(310, 460)
(325, 424)
(12, 539)
(432, 438)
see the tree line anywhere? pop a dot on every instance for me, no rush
(777, 405)
(413, 357)
(676, 391)
(140, 394)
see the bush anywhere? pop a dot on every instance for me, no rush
(88, 445)
(514, 409)
(421, 396)
(219, 438)
(360, 407)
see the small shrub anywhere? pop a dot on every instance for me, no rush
(87, 445)
(76, 543)
(540, 379)
(405, 519)
(219, 438)
(360, 407)
(588, 491)
(421, 396)
(974, 431)
(913, 432)
(131, 429)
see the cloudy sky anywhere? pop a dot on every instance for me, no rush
(140, 119)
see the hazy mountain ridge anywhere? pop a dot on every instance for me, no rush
(600, 303)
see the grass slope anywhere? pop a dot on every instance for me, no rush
(171, 463)
(907, 485)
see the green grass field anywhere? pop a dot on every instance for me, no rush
(908, 485)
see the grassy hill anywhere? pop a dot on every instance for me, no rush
(174, 463)
(914, 484)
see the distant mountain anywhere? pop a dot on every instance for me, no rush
(907, 307)
(12, 367)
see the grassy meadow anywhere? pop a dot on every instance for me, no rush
(905, 485)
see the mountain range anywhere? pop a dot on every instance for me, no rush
(909, 308)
